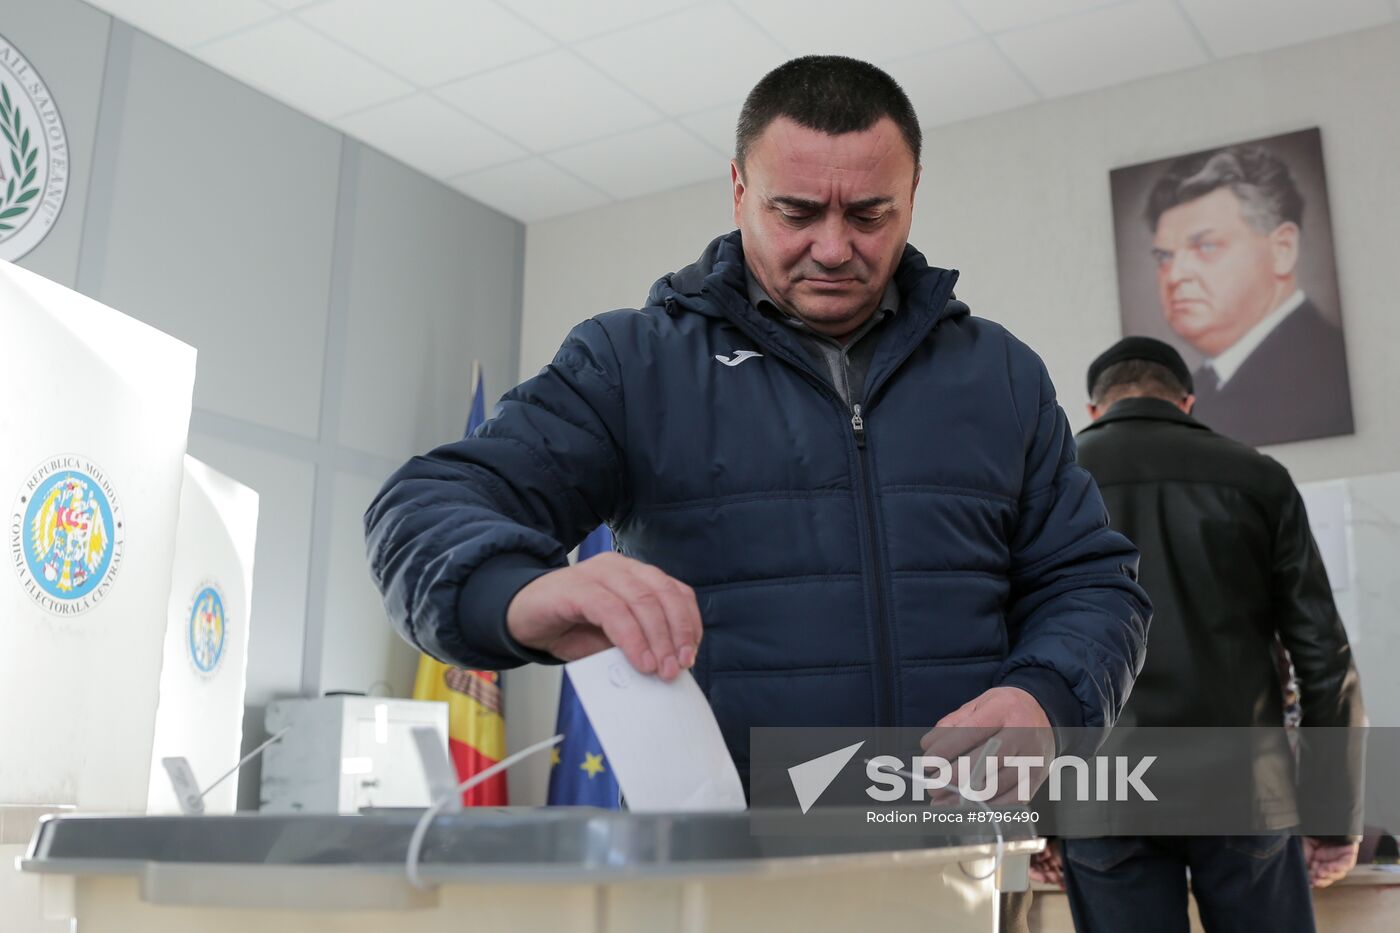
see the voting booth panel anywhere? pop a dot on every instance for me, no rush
(200, 716)
(95, 410)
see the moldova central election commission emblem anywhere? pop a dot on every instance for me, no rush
(34, 167)
(207, 629)
(66, 535)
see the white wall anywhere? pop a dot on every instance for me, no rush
(1019, 202)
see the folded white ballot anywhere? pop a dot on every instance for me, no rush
(661, 739)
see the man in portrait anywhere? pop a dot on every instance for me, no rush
(1227, 231)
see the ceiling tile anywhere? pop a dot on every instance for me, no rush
(809, 27)
(998, 15)
(965, 81)
(1105, 47)
(429, 41)
(529, 191)
(643, 161)
(430, 136)
(550, 101)
(303, 68)
(1243, 26)
(570, 20)
(186, 24)
(688, 61)
(717, 125)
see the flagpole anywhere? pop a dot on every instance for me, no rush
(475, 723)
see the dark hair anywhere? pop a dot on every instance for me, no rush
(1134, 378)
(829, 93)
(1261, 180)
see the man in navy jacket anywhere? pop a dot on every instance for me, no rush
(808, 450)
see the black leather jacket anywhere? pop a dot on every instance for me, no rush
(1230, 564)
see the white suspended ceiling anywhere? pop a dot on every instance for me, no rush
(545, 107)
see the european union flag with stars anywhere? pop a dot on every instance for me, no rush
(580, 775)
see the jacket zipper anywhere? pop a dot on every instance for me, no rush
(884, 657)
(873, 381)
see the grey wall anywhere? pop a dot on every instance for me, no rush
(336, 298)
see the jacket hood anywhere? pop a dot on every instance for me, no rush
(699, 286)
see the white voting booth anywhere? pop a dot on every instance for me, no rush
(95, 410)
(200, 717)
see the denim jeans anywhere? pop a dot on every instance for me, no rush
(1138, 883)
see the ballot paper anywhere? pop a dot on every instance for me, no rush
(660, 739)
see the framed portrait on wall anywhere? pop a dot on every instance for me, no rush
(1227, 255)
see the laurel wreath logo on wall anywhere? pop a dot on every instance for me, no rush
(19, 171)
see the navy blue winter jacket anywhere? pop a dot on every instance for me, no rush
(883, 576)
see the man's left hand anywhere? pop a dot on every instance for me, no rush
(998, 708)
(1011, 716)
(1328, 861)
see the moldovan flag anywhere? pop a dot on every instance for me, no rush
(476, 729)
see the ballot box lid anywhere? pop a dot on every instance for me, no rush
(556, 844)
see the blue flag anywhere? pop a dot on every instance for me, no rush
(478, 410)
(580, 775)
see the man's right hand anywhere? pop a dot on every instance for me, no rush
(1328, 861)
(1048, 866)
(605, 601)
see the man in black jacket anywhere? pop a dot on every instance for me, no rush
(1231, 566)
